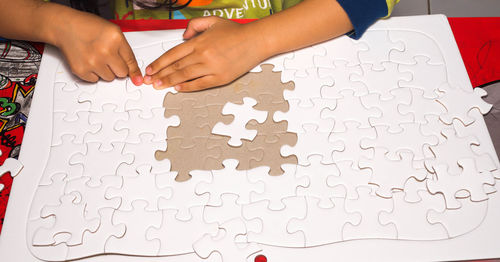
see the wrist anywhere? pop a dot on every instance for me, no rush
(52, 18)
(263, 41)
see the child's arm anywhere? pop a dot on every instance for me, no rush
(94, 47)
(223, 50)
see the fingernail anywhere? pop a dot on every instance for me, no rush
(147, 79)
(149, 70)
(157, 83)
(137, 80)
(177, 87)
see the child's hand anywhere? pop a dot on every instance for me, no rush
(96, 48)
(216, 53)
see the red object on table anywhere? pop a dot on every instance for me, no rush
(479, 42)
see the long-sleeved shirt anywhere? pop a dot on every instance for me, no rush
(362, 13)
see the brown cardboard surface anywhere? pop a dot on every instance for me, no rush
(192, 146)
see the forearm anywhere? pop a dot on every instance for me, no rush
(32, 20)
(307, 23)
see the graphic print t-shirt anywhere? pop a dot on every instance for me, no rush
(230, 9)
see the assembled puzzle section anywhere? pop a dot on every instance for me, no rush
(319, 148)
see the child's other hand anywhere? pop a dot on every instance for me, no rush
(217, 52)
(96, 48)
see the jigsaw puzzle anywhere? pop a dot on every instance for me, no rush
(333, 148)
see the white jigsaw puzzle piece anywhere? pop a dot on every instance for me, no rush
(229, 180)
(276, 188)
(332, 220)
(242, 115)
(157, 125)
(312, 142)
(177, 236)
(308, 87)
(410, 218)
(297, 115)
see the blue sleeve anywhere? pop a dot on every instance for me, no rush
(363, 13)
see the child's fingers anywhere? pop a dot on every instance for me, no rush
(181, 76)
(168, 58)
(89, 77)
(105, 73)
(197, 84)
(176, 66)
(133, 69)
(118, 66)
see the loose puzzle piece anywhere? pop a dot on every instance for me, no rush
(273, 223)
(458, 103)
(136, 221)
(225, 243)
(410, 218)
(242, 114)
(332, 220)
(470, 179)
(11, 166)
(391, 175)
(177, 236)
(70, 219)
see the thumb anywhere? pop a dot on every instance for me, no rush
(199, 25)
(133, 69)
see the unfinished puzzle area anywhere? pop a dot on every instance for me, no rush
(345, 140)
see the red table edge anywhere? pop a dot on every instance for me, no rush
(159, 24)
